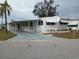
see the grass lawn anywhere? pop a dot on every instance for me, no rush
(6, 35)
(69, 35)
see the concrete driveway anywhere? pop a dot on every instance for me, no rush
(24, 36)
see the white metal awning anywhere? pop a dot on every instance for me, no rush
(64, 21)
(51, 19)
(73, 23)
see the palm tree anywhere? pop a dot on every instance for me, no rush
(1, 14)
(5, 11)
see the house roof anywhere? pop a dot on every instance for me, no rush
(22, 21)
(51, 19)
(69, 19)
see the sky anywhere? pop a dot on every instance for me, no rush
(22, 9)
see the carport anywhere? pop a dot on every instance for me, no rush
(28, 25)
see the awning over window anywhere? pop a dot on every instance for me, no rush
(51, 19)
(63, 23)
(73, 23)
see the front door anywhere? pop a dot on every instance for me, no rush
(18, 27)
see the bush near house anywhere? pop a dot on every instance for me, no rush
(6, 35)
(74, 34)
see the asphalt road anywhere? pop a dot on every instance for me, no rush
(40, 49)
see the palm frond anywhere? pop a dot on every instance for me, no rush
(7, 5)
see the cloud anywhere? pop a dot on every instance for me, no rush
(22, 9)
(68, 7)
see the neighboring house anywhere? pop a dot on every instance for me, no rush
(43, 25)
(72, 23)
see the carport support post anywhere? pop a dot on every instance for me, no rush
(12, 27)
(15, 27)
(37, 26)
(22, 27)
(29, 25)
(33, 26)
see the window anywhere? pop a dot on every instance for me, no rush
(63, 23)
(50, 23)
(73, 26)
(40, 22)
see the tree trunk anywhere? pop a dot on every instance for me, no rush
(5, 20)
(2, 22)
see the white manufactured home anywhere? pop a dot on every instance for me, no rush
(72, 23)
(42, 25)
